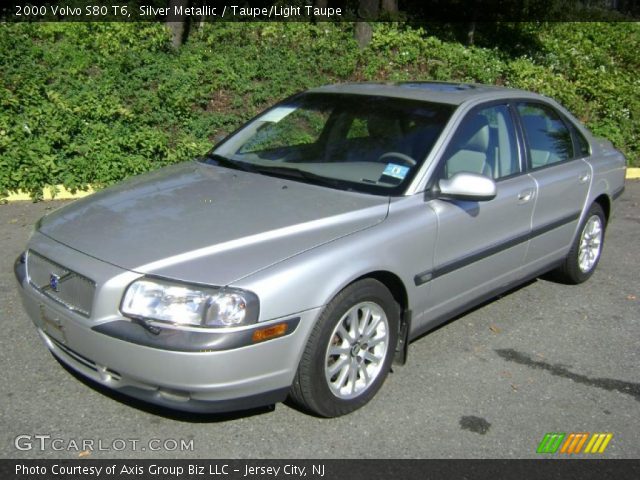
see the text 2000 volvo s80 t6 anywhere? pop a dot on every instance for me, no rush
(302, 254)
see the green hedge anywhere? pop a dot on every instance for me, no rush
(95, 103)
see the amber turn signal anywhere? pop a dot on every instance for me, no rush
(270, 332)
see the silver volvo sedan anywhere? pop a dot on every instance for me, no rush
(302, 254)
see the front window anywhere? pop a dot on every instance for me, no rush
(485, 143)
(351, 142)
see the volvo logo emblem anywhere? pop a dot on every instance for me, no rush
(54, 282)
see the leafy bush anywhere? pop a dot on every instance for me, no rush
(601, 63)
(85, 103)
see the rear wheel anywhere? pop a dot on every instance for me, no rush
(585, 252)
(349, 352)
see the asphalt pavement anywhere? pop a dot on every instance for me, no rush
(545, 357)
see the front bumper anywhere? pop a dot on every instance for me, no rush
(202, 381)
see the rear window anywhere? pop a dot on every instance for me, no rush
(548, 139)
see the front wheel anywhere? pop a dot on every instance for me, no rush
(349, 352)
(585, 252)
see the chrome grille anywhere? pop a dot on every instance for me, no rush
(65, 286)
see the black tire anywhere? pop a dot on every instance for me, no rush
(312, 387)
(570, 271)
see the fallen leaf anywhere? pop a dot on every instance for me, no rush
(514, 388)
(631, 297)
(84, 453)
(495, 328)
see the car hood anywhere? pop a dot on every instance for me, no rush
(203, 223)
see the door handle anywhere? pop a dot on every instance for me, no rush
(525, 195)
(584, 177)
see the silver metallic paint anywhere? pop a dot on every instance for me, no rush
(297, 245)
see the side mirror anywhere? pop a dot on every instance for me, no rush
(468, 186)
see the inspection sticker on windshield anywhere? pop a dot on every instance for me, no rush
(396, 171)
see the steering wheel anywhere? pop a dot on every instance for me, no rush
(401, 156)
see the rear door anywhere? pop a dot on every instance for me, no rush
(555, 163)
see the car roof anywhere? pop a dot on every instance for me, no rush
(439, 92)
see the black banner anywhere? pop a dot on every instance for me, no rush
(318, 469)
(316, 11)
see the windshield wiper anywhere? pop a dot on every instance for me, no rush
(288, 172)
(227, 162)
(282, 172)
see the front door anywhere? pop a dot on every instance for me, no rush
(481, 245)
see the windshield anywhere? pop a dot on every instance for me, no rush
(351, 142)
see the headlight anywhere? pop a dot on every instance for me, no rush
(189, 305)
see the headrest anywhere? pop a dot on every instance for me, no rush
(475, 134)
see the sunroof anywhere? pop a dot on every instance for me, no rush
(438, 86)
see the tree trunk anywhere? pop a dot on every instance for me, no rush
(367, 10)
(320, 4)
(177, 24)
(471, 34)
(390, 6)
(363, 34)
